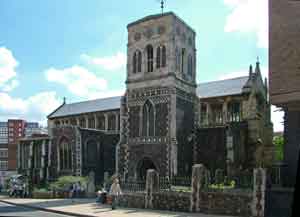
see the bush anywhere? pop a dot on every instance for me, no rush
(64, 182)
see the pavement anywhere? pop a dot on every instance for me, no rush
(7, 210)
(89, 208)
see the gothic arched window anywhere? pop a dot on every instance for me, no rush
(182, 60)
(164, 56)
(139, 66)
(149, 50)
(190, 65)
(161, 57)
(158, 57)
(148, 119)
(134, 62)
(65, 155)
(137, 61)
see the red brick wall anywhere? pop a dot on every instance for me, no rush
(16, 130)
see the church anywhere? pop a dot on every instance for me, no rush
(164, 121)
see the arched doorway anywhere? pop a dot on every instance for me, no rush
(143, 166)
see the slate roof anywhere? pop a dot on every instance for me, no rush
(222, 87)
(105, 104)
(205, 90)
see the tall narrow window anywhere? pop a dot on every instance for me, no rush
(163, 57)
(182, 60)
(149, 50)
(177, 56)
(158, 57)
(139, 66)
(148, 119)
(65, 155)
(190, 65)
(137, 61)
(134, 62)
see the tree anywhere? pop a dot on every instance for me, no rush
(279, 144)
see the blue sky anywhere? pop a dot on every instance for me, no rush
(77, 49)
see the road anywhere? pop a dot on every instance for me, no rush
(19, 211)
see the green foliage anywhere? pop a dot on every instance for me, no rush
(223, 186)
(64, 182)
(279, 143)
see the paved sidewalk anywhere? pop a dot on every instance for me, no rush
(88, 208)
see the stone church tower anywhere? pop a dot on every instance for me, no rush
(158, 109)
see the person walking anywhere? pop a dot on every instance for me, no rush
(115, 192)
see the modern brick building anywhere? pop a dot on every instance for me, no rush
(10, 134)
(285, 76)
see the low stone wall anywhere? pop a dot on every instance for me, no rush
(226, 203)
(133, 200)
(174, 201)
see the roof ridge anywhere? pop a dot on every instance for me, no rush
(228, 79)
(93, 100)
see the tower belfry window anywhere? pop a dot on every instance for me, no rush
(190, 65)
(161, 57)
(149, 50)
(182, 60)
(137, 61)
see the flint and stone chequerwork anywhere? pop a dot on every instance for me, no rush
(150, 126)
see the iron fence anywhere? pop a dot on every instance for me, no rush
(133, 186)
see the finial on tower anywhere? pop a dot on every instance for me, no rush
(250, 71)
(257, 68)
(162, 4)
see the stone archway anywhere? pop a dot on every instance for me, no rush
(142, 167)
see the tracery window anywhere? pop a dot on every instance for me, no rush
(137, 61)
(112, 122)
(82, 123)
(101, 122)
(234, 112)
(91, 123)
(148, 119)
(217, 114)
(65, 155)
(161, 57)
(149, 50)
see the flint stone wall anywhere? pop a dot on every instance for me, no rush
(236, 204)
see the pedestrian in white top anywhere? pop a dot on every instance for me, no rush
(115, 192)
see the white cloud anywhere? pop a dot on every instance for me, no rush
(78, 80)
(110, 63)
(264, 73)
(34, 108)
(249, 16)
(8, 64)
(108, 93)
